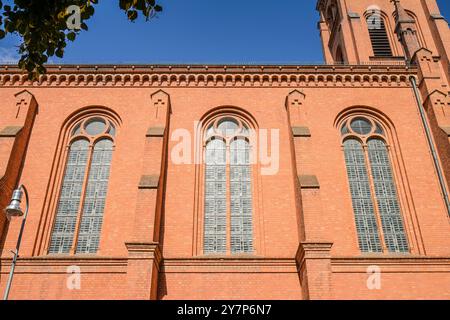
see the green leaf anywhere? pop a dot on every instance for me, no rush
(59, 53)
(71, 36)
(132, 15)
(140, 5)
(123, 4)
(41, 70)
(127, 4)
(43, 29)
(90, 10)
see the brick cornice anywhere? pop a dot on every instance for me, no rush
(60, 263)
(144, 251)
(373, 75)
(313, 250)
(391, 263)
(229, 265)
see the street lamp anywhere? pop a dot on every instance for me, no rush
(14, 210)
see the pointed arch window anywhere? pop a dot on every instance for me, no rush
(228, 216)
(82, 197)
(378, 35)
(375, 202)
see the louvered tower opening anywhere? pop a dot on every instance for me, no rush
(379, 37)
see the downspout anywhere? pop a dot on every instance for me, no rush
(430, 143)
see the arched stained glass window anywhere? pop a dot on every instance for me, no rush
(375, 202)
(386, 194)
(366, 222)
(69, 199)
(81, 203)
(215, 238)
(95, 197)
(241, 197)
(228, 225)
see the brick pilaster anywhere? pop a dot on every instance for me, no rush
(14, 140)
(144, 250)
(294, 102)
(313, 256)
(314, 267)
(144, 260)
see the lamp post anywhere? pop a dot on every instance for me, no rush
(14, 210)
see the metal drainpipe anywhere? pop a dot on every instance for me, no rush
(430, 143)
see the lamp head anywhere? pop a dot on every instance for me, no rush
(14, 209)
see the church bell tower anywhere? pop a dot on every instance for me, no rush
(381, 31)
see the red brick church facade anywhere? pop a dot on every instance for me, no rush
(239, 181)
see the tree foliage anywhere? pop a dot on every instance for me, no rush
(42, 26)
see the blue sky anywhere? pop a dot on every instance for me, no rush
(201, 31)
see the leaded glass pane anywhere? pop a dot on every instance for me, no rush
(241, 197)
(210, 131)
(215, 228)
(94, 202)
(386, 194)
(361, 126)
(95, 126)
(344, 130)
(228, 127)
(379, 129)
(245, 130)
(76, 130)
(69, 199)
(363, 208)
(112, 129)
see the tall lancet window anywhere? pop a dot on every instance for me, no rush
(228, 217)
(378, 35)
(81, 204)
(374, 194)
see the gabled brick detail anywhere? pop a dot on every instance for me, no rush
(309, 182)
(301, 132)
